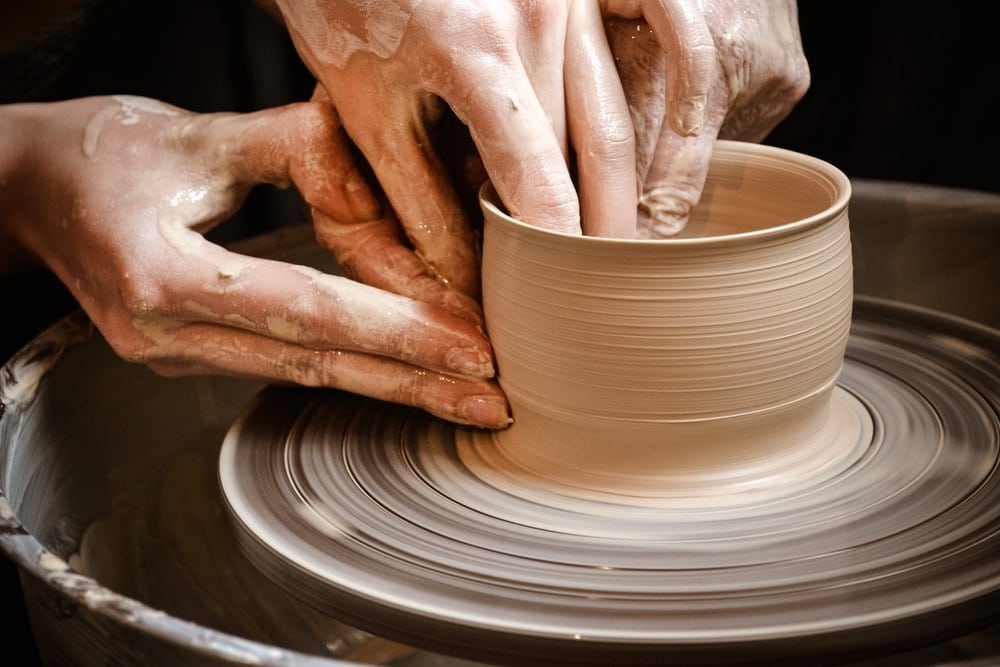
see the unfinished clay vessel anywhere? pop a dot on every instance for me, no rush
(696, 369)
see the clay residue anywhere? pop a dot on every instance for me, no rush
(176, 234)
(129, 109)
(374, 27)
(159, 330)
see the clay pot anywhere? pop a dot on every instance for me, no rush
(690, 369)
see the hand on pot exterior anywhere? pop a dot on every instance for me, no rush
(694, 71)
(112, 195)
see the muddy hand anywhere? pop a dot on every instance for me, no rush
(694, 72)
(392, 67)
(370, 244)
(114, 202)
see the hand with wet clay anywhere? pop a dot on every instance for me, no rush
(564, 121)
(392, 67)
(113, 193)
(692, 72)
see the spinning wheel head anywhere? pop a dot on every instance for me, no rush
(404, 525)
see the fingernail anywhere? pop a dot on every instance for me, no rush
(486, 411)
(361, 201)
(691, 115)
(468, 361)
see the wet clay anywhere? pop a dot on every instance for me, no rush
(375, 27)
(691, 368)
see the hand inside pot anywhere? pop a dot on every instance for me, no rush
(582, 126)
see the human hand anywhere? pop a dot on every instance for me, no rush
(392, 68)
(695, 71)
(112, 194)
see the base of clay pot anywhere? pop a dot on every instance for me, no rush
(710, 463)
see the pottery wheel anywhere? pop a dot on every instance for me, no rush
(372, 513)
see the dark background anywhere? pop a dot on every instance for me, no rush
(899, 92)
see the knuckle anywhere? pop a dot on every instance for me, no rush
(787, 80)
(134, 324)
(129, 346)
(317, 119)
(142, 297)
(553, 206)
(800, 80)
(615, 143)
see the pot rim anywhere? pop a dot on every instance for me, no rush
(813, 168)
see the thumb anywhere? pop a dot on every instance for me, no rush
(304, 145)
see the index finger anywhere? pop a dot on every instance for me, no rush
(301, 305)
(600, 127)
(684, 35)
(518, 145)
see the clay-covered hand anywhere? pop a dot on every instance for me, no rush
(113, 194)
(694, 71)
(393, 67)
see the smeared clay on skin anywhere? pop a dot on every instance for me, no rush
(93, 131)
(192, 244)
(379, 29)
(208, 314)
(352, 298)
(177, 235)
(692, 114)
(534, 133)
(159, 330)
(226, 283)
(284, 329)
(130, 107)
(238, 320)
(533, 138)
(394, 319)
(198, 309)
(133, 106)
(662, 213)
(231, 270)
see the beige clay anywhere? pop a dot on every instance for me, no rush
(696, 369)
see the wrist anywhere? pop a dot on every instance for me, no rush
(40, 162)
